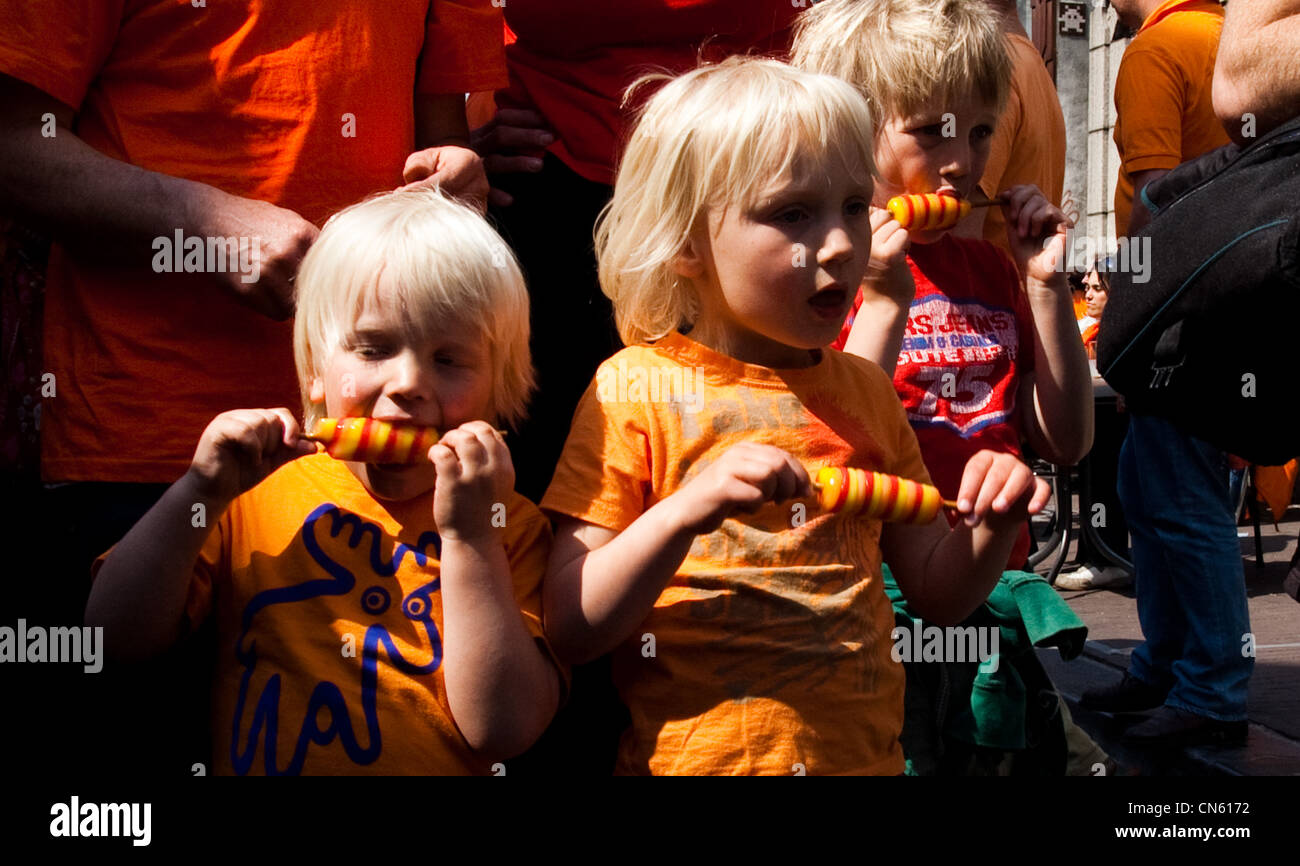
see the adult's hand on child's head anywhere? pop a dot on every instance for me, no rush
(475, 475)
(744, 478)
(241, 447)
(276, 238)
(457, 170)
(513, 141)
(887, 272)
(999, 490)
(1036, 232)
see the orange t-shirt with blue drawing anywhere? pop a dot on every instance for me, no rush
(769, 650)
(329, 626)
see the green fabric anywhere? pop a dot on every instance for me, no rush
(1028, 613)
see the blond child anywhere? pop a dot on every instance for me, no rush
(979, 361)
(750, 630)
(370, 618)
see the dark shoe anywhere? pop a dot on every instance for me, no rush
(1174, 727)
(1129, 695)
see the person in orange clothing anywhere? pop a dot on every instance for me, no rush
(429, 573)
(1028, 143)
(1164, 112)
(181, 158)
(182, 178)
(1191, 593)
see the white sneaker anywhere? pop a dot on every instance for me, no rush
(1092, 577)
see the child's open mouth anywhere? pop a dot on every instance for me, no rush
(829, 302)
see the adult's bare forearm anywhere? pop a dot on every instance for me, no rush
(87, 201)
(1258, 66)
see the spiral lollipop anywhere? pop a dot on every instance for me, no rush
(369, 440)
(929, 211)
(875, 494)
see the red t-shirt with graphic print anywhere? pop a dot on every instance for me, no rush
(969, 339)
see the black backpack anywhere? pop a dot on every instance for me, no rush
(1212, 340)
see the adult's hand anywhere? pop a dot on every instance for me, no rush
(94, 204)
(512, 141)
(457, 170)
(279, 239)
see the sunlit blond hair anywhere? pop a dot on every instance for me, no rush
(445, 265)
(907, 56)
(717, 136)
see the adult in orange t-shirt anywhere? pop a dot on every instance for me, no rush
(1028, 145)
(157, 135)
(1164, 113)
(164, 146)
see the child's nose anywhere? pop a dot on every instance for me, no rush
(836, 245)
(411, 377)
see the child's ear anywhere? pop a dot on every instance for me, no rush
(316, 393)
(689, 263)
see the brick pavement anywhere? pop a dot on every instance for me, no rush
(1274, 699)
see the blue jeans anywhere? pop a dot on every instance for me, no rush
(1191, 590)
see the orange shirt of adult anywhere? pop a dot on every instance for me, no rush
(1164, 116)
(309, 106)
(1028, 145)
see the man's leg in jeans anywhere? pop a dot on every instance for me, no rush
(1142, 457)
(1196, 524)
(1186, 517)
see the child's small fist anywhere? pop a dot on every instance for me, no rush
(744, 478)
(1000, 489)
(241, 447)
(1036, 232)
(887, 271)
(475, 473)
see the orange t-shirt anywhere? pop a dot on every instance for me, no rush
(1028, 145)
(1164, 115)
(308, 565)
(771, 644)
(257, 99)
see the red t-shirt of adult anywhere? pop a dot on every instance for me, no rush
(969, 339)
(573, 59)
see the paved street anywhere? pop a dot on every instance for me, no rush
(1113, 630)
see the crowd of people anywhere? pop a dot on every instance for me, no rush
(628, 584)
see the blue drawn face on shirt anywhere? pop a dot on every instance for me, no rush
(326, 522)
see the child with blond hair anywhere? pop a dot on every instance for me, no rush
(370, 617)
(750, 630)
(979, 361)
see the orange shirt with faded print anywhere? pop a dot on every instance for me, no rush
(329, 626)
(770, 647)
(1028, 145)
(1164, 115)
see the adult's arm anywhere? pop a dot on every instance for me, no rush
(1258, 66)
(1140, 216)
(92, 203)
